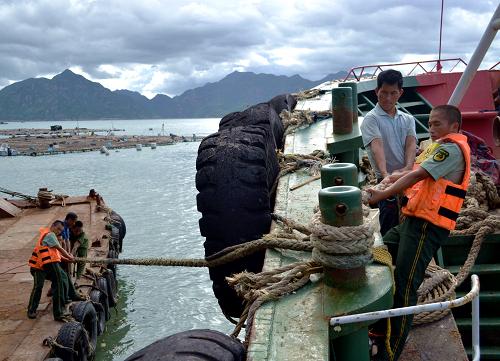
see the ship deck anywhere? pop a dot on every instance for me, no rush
(21, 339)
(296, 326)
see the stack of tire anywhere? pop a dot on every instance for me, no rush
(237, 168)
(79, 338)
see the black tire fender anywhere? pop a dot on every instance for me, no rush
(112, 254)
(190, 345)
(103, 287)
(114, 242)
(261, 114)
(111, 288)
(283, 102)
(120, 223)
(100, 302)
(85, 313)
(236, 171)
(72, 336)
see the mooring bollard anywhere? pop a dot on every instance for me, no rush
(339, 174)
(354, 94)
(342, 110)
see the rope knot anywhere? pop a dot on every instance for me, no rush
(341, 247)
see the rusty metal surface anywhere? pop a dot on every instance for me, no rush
(434, 341)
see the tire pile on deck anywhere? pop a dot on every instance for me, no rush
(236, 173)
(77, 340)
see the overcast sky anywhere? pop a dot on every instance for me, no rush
(171, 46)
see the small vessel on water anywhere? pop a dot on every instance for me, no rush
(35, 339)
(138, 147)
(152, 145)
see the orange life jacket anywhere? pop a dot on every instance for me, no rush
(439, 202)
(43, 255)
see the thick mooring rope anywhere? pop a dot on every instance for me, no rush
(341, 247)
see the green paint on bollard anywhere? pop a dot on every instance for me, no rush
(341, 206)
(339, 174)
(354, 93)
(342, 110)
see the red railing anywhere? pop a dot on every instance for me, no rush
(418, 64)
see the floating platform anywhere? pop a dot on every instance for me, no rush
(21, 338)
(36, 145)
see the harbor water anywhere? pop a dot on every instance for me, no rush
(154, 191)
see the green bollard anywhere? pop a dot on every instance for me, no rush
(354, 92)
(342, 110)
(339, 174)
(341, 206)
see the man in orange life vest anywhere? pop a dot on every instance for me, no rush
(44, 263)
(434, 190)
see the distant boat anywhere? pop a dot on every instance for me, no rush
(138, 146)
(152, 145)
(104, 150)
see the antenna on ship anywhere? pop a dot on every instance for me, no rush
(438, 65)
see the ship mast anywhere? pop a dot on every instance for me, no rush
(438, 66)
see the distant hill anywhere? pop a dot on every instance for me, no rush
(69, 96)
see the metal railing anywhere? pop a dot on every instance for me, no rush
(473, 296)
(417, 64)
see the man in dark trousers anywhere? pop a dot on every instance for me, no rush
(79, 246)
(45, 263)
(434, 193)
(390, 140)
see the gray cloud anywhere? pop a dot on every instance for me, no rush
(161, 46)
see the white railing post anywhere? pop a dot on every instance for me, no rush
(476, 59)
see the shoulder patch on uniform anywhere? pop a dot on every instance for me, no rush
(440, 155)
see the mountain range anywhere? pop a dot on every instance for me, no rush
(69, 96)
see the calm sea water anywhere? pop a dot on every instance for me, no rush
(154, 191)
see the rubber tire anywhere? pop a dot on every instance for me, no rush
(103, 287)
(111, 288)
(114, 242)
(260, 114)
(71, 335)
(121, 227)
(100, 302)
(192, 345)
(236, 170)
(112, 254)
(283, 102)
(85, 313)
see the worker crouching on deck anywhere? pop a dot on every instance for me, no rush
(45, 263)
(435, 190)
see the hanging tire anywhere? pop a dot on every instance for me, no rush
(261, 115)
(236, 170)
(103, 288)
(112, 254)
(120, 224)
(100, 302)
(85, 313)
(72, 337)
(190, 345)
(114, 242)
(283, 102)
(111, 288)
